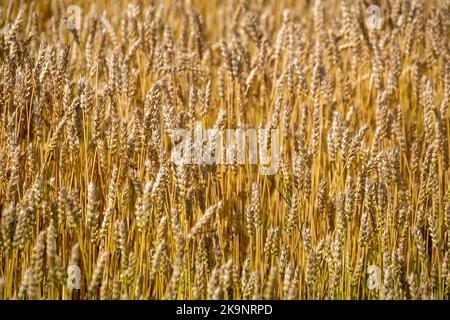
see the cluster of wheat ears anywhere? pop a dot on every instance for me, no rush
(86, 177)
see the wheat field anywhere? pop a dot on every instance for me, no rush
(92, 92)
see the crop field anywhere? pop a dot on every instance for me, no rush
(224, 149)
